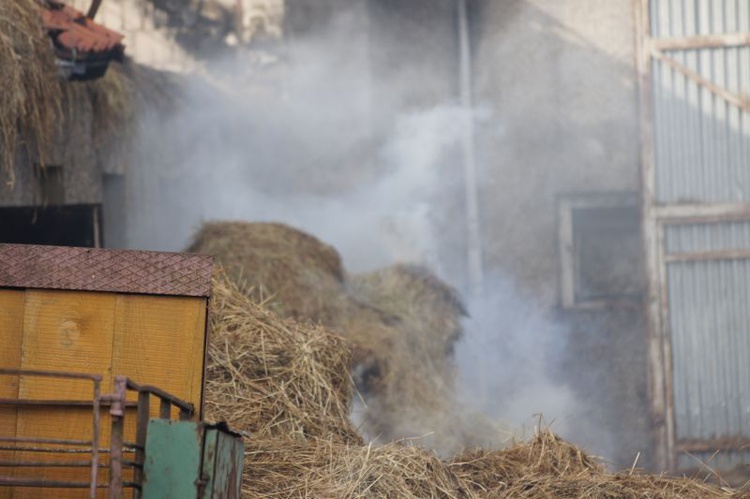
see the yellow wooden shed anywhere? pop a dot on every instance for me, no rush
(106, 312)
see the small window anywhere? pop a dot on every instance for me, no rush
(601, 253)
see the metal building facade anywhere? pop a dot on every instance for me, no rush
(694, 63)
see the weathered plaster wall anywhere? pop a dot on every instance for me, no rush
(559, 79)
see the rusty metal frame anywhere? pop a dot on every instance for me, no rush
(92, 446)
(118, 403)
(655, 219)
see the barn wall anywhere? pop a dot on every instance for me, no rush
(560, 80)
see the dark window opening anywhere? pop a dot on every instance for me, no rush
(601, 249)
(608, 253)
(76, 225)
(51, 185)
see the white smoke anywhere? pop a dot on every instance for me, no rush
(299, 154)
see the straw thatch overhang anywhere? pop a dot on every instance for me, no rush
(84, 128)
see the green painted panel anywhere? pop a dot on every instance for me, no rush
(223, 456)
(173, 459)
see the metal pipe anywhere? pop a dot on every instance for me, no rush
(94, 8)
(474, 236)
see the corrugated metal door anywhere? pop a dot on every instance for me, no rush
(695, 69)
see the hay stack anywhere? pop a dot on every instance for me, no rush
(405, 331)
(294, 273)
(287, 386)
(273, 377)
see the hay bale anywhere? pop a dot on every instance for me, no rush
(273, 377)
(404, 331)
(292, 272)
(322, 468)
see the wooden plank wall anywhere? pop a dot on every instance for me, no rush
(154, 340)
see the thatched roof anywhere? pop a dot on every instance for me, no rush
(44, 120)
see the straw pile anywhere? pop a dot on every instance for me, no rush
(273, 377)
(406, 371)
(286, 386)
(548, 467)
(321, 468)
(402, 323)
(294, 273)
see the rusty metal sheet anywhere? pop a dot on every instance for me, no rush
(117, 271)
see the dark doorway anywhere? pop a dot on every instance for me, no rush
(76, 225)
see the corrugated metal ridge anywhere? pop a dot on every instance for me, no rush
(118, 271)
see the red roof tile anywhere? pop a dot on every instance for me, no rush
(76, 35)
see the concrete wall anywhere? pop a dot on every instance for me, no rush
(559, 78)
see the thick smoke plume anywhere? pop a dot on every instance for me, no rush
(296, 145)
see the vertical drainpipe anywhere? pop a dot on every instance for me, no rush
(474, 236)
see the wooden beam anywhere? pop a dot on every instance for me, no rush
(741, 102)
(701, 42)
(709, 255)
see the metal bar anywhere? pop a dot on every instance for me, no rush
(182, 404)
(64, 403)
(51, 450)
(117, 413)
(735, 100)
(49, 374)
(709, 255)
(30, 482)
(48, 464)
(94, 8)
(95, 438)
(468, 147)
(165, 409)
(144, 409)
(32, 440)
(701, 42)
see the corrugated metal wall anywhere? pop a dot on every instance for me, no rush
(702, 142)
(702, 156)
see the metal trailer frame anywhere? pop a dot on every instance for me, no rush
(117, 449)
(657, 217)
